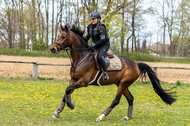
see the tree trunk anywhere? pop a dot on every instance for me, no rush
(33, 22)
(52, 30)
(47, 22)
(164, 32)
(122, 30)
(10, 32)
(133, 26)
(128, 43)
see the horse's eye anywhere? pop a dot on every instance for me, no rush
(63, 37)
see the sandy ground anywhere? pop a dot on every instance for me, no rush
(62, 72)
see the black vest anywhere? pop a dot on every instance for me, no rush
(94, 31)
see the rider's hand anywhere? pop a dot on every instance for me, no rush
(93, 45)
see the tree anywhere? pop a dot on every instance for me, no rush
(164, 31)
(7, 24)
(182, 28)
(170, 22)
(135, 13)
(21, 24)
(52, 29)
(143, 49)
(47, 21)
(123, 29)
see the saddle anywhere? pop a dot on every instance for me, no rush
(113, 64)
(112, 61)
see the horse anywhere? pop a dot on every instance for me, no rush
(83, 70)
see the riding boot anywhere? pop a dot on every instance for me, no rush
(104, 66)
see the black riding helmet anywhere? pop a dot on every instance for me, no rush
(95, 14)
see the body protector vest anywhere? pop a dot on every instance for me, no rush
(98, 32)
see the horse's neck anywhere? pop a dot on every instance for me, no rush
(78, 53)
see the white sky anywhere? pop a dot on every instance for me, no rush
(154, 22)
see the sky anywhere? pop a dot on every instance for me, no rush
(154, 23)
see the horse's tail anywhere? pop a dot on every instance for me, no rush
(166, 97)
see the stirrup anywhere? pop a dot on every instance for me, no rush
(106, 76)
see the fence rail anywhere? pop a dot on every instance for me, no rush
(35, 66)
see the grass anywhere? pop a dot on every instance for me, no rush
(27, 102)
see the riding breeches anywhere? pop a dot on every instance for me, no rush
(102, 53)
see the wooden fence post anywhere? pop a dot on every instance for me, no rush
(35, 71)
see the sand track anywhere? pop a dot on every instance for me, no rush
(62, 72)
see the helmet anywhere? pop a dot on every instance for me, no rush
(95, 14)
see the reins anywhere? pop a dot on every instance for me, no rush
(70, 49)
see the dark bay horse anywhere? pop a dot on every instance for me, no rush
(83, 70)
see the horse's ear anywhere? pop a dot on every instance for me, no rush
(61, 27)
(66, 28)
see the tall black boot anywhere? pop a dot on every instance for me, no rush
(104, 66)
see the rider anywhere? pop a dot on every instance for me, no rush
(97, 32)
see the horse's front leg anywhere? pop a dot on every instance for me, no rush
(67, 97)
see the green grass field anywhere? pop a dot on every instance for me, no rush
(27, 102)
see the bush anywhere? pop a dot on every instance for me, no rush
(178, 83)
(141, 57)
(23, 52)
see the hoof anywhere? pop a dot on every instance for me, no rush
(97, 120)
(100, 118)
(125, 118)
(71, 105)
(56, 115)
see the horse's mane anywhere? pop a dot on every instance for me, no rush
(77, 30)
(80, 33)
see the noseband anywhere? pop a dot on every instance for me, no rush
(63, 44)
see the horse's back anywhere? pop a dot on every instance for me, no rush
(130, 68)
(130, 63)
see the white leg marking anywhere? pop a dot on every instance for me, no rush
(100, 118)
(126, 118)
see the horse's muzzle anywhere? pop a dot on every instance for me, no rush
(53, 50)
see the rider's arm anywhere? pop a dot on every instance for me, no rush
(103, 35)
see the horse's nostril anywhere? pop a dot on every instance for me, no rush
(53, 50)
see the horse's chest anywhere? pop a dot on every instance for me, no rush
(76, 74)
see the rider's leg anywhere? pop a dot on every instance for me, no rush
(102, 52)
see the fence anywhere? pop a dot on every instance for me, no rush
(35, 66)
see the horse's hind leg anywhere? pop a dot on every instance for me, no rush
(130, 99)
(115, 102)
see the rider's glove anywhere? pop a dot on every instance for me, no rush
(93, 45)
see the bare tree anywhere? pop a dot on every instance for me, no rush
(9, 23)
(123, 28)
(47, 21)
(164, 30)
(170, 22)
(21, 25)
(52, 29)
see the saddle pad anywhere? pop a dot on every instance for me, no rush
(115, 64)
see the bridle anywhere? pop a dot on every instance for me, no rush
(62, 47)
(63, 43)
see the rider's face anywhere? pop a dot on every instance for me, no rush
(94, 20)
